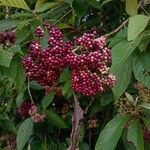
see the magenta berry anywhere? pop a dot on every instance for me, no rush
(88, 58)
(39, 31)
(7, 38)
(24, 108)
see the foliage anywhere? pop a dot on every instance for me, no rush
(116, 119)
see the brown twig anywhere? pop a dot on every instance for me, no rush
(29, 92)
(117, 29)
(87, 108)
(7, 12)
(76, 119)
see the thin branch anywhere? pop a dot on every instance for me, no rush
(76, 119)
(29, 92)
(7, 12)
(87, 108)
(117, 29)
(145, 10)
(67, 13)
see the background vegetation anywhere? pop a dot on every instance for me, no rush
(117, 119)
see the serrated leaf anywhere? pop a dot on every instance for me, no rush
(5, 58)
(55, 119)
(123, 75)
(137, 24)
(111, 133)
(131, 7)
(24, 133)
(15, 3)
(140, 71)
(47, 99)
(135, 135)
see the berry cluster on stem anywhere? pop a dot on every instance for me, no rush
(87, 56)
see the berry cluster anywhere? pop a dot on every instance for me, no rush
(146, 135)
(7, 38)
(143, 92)
(125, 107)
(27, 109)
(88, 58)
(46, 65)
(35, 115)
(23, 109)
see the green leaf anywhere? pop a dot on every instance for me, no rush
(145, 41)
(120, 36)
(145, 60)
(55, 119)
(20, 77)
(106, 98)
(26, 33)
(131, 7)
(5, 58)
(135, 135)
(15, 3)
(45, 7)
(24, 133)
(65, 75)
(111, 133)
(39, 3)
(47, 99)
(19, 98)
(11, 72)
(36, 86)
(145, 105)
(69, 2)
(96, 4)
(140, 72)
(123, 74)
(8, 125)
(6, 24)
(105, 2)
(122, 51)
(80, 7)
(147, 122)
(66, 88)
(137, 24)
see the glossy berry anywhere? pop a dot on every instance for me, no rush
(7, 38)
(88, 58)
(39, 31)
(24, 108)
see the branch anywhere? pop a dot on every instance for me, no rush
(29, 92)
(76, 118)
(117, 29)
